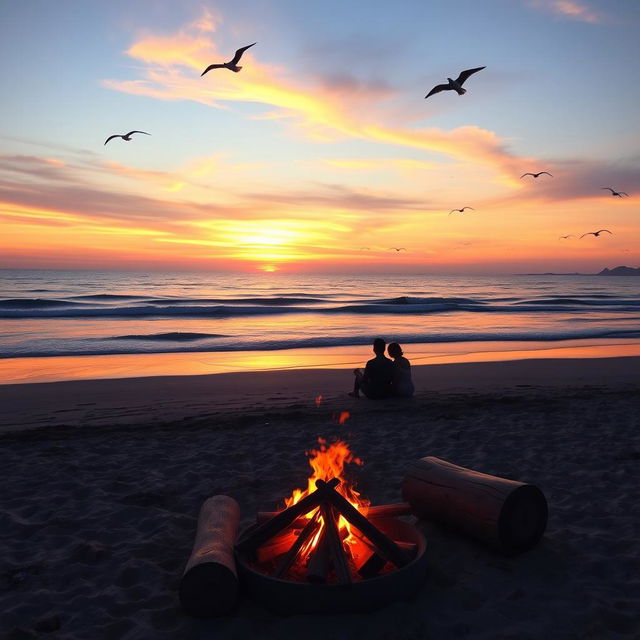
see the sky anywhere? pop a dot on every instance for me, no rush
(321, 154)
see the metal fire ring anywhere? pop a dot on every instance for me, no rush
(289, 597)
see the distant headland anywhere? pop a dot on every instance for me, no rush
(616, 271)
(620, 271)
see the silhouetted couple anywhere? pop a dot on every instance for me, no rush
(384, 378)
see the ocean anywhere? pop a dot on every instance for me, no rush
(48, 314)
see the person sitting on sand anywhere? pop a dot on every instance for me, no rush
(402, 383)
(376, 381)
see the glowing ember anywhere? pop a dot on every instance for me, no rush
(327, 462)
(344, 416)
(318, 401)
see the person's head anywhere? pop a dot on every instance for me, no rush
(378, 346)
(394, 350)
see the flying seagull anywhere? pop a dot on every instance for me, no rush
(454, 85)
(460, 210)
(595, 233)
(232, 65)
(535, 175)
(126, 136)
(397, 249)
(566, 237)
(616, 193)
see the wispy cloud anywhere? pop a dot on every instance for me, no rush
(572, 9)
(577, 179)
(328, 107)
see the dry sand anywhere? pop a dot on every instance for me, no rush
(103, 481)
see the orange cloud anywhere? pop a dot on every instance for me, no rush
(324, 110)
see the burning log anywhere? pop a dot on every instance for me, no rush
(374, 562)
(335, 544)
(372, 566)
(320, 560)
(384, 545)
(275, 547)
(509, 516)
(287, 560)
(379, 511)
(267, 530)
(209, 585)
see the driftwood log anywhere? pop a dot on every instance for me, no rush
(267, 530)
(288, 559)
(375, 512)
(335, 544)
(384, 545)
(320, 560)
(509, 516)
(209, 585)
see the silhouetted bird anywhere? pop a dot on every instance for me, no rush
(397, 249)
(126, 136)
(232, 65)
(616, 193)
(595, 233)
(535, 175)
(460, 210)
(566, 237)
(455, 85)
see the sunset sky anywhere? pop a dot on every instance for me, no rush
(322, 153)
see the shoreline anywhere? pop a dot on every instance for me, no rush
(30, 370)
(165, 399)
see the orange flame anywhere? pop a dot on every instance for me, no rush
(344, 416)
(318, 401)
(327, 462)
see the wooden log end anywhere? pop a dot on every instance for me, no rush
(523, 519)
(208, 590)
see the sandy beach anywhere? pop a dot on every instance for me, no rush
(104, 479)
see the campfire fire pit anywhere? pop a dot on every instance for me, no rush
(329, 551)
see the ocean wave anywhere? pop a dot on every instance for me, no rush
(40, 308)
(417, 300)
(34, 303)
(261, 301)
(106, 296)
(132, 345)
(555, 300)
(172, 336)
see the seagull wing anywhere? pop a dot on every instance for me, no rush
(607, 230)
(545, 172)
(437, 89)
(465, 74)
(525, 174)
(472, 209)
(608, 188)
(116, 135)
(239, 53)
(623, 193)
(212, 66)
(591, 233)
(132, 132)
